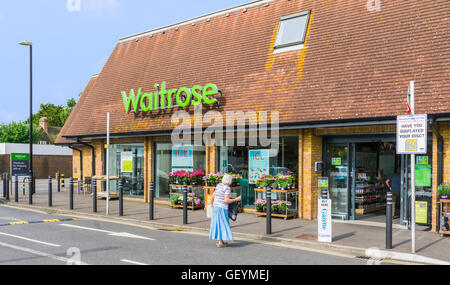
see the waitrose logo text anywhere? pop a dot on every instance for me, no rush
(163, 99)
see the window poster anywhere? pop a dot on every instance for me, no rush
(336, 161)
(182, 158)
(258, 165)
(423, 175)
(421, 212)
(422, 160)
(126, 162)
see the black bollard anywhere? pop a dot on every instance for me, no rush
(389, 220)
(34, 184)
(269, 211)
(94, 195)
(58, 178)
(185, 212)
(4, 185)
(16, 192)
(71, 193)
(50, 194)
(152, 201)
(121, 197)
(7, 186)
(30, 189)
(324, 193)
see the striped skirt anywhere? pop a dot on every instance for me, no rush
(220, 225)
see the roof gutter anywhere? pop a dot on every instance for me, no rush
(440, 146)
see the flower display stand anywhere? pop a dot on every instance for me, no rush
(445, 216)
(196, 189)
(287, 197)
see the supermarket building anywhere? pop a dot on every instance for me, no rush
(337, 73)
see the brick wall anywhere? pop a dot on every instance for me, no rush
(310, 151)
(4, 163)
(43, 165)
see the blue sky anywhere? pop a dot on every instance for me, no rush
(72, 42)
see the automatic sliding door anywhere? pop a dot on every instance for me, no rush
(337, 163)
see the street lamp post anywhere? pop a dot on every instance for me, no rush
(30, 44)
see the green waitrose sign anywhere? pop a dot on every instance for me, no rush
(162, 99)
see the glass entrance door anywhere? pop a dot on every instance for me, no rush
(337, 171)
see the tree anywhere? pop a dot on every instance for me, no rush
(57, 115)
(53, 114)
(68, 109)
(18, 132)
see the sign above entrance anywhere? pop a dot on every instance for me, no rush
(412, 134)
(163, 99)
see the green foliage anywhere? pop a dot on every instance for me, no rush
(56, 115)
(444, 189)
(18, 132)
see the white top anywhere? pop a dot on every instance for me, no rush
(219, 196)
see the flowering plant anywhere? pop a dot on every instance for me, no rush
(280, 181)
(193, 200)
(280, 207)
(190, 178)
(260, 205)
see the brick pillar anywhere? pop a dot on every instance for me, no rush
(300, 174)
(312, 152)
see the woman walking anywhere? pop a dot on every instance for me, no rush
(220, 224)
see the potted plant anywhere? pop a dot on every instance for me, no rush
(174, 199)
(444, 191)
(236, 179)
(276, 207)
(193, 200)
(260, 205)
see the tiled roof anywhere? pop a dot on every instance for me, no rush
(357, 64)
(61, 140)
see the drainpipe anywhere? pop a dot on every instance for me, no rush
(92, 155)
(440, 163)
(81, 161)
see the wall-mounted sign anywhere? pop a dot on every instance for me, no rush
(20, 164)
(325, 233)
(258, 165)
(412, 134)
(126, 162)
(164, 99)
(182, 157)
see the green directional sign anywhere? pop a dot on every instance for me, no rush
(20, 164)
(20, 156)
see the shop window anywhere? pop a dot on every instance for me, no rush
(235, 159)
(193, 158)
(292, 32)
(127, 163)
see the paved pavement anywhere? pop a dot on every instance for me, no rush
(92, 242)
(347, 237)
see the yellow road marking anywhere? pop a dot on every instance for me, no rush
(18, 223)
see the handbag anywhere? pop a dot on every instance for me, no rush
(233, 209)
(209, 211)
